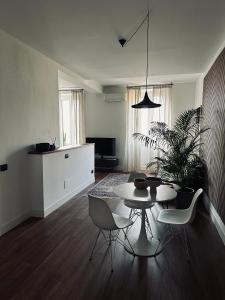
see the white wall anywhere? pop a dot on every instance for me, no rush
(105, 119)
(28, 114)
(199, 91)
(183, 98)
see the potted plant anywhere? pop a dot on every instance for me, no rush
(178, 159)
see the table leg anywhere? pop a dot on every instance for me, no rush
(144, 246)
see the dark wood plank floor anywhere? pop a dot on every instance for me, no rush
(48, 259)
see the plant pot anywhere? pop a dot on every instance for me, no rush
(184, 198)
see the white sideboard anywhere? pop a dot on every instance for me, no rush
(59, 175)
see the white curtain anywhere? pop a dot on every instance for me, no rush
(137, 156)
(79, 116)
(72, 117)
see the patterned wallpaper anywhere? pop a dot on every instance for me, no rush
(214, 138)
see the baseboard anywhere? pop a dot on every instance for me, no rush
(60, 202)
(14, 222)
(217, 222)
(37, 213)
(41, 214)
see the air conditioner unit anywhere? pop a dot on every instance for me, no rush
(114, 97)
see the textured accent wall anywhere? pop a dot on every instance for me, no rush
(214, 139)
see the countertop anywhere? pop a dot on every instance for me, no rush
(60, 149)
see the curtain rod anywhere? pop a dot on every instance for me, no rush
(69, 90)
(150, 85)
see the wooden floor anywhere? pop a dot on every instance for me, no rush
(48, 259)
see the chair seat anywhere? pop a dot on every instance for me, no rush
(173, 216)
(122, 222)
(138, 204)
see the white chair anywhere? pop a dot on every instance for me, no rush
(105, 220)
(181, 217)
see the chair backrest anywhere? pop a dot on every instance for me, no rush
(192, 207)
(101, 214)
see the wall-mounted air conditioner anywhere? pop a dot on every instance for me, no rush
(114, 97)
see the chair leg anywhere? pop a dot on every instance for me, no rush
(95, 243)
(150, 208)
(131, 215)
(110, 249)
(148, 223)
(126, 238)
(187, 244)
(170, 229)
(166, 240)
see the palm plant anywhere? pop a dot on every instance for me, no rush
(178, 148)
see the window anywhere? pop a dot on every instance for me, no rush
(71, 106)
(66, 122)
(137, 156)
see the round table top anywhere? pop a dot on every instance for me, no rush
(129, 192)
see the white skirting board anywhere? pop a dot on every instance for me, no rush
(13, 223)
(218, 222)
(60, 202)
(41, 214)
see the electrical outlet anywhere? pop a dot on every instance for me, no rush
(66, 183)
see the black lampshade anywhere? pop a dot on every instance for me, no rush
(146, 103)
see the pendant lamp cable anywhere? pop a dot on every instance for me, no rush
(147, 50)
(139, 26)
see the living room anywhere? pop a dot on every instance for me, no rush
(71, 71)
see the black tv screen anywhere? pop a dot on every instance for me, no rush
(103, 146)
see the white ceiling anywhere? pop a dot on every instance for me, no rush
(82, 35)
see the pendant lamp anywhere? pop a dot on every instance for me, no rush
(146, 102)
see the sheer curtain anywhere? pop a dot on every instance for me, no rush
(72, 117)
(138, 120)
(79, 116)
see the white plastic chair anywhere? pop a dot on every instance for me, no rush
(105, 220)
(181, 217)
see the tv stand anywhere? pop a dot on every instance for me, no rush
(106, 163)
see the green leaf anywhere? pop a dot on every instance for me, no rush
(178, 147)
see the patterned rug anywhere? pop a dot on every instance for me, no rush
(104, 188)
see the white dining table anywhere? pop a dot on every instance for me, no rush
(144, 246)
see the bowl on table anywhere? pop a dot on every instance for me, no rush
(153, 182)
(140, 183)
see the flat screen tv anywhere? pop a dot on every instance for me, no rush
(103, 146)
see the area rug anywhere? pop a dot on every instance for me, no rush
(104, 188)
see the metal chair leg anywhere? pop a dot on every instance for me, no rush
(95, 243)
(110, 249)
(126, 238)
(187, 244)
(148, 224)
(166, 240)
(132, 214)
(150, 208)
